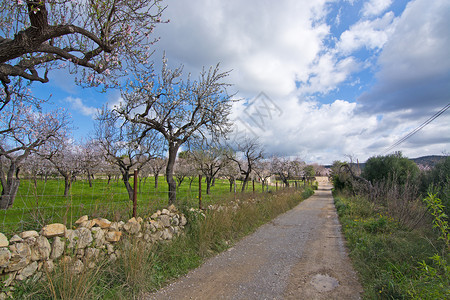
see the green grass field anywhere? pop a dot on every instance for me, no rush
(44, 203)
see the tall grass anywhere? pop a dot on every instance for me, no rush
(144, 268)
(388, 254)
(63, 283)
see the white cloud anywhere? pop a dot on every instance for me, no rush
(369, 34)
(414, 63)
(309, 130)
(279, 48)
(327, 73)
(267, 44)
(77, 104)
(375, 7)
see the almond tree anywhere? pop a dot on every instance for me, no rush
(107, 168)
(66, 158)
(287, 168)
(179, 109)
(209, 160)
(231, 172)
(34, 166)
(183, 169)
(125, 146)
(156, 165)
(91, 156)
(25, 130)
(248, 153)
(263, 171)
(103, 38)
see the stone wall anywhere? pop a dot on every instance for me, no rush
(30, 253)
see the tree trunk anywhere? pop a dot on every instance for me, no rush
(285, 181)
(231, 184)
(9, 193)
(140, 180)
(126, 181)
(156, 181)
(10, 186)
(67, 184)
(208, 184)
(180, 180)
(89, 176)
(244, 184)
(191, 179)
(173, 150)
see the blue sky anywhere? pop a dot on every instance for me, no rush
(348, 77)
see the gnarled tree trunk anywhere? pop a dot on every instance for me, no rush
(10, 186)
(173, 150)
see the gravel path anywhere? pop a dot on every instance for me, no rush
(299, 255)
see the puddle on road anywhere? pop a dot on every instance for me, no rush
(324, 283)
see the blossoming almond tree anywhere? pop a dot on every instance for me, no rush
(209, 160)
(124, 146)
(179, 109)
(27, 130)
(246, 154)
(105, 38)
(66, 158)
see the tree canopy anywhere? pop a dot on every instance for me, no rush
(179, 109)
(107, 38)
(390, 167)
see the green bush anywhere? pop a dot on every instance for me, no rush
(438, 180)
(391, 167)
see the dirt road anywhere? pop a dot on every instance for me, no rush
(299, 255)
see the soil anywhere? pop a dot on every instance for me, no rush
(299, 255)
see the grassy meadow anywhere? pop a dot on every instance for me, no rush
(42, 203)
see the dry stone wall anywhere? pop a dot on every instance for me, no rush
(30, 253)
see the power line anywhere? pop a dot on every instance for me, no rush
(440, 112)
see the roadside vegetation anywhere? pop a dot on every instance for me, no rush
(144, 269)
(395, 220)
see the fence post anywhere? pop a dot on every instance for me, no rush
(200, 191)
(135, 193)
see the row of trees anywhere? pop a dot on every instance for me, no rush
(113, 158)
(108, 44)
(101, 41)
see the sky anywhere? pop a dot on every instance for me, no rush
(319, 80)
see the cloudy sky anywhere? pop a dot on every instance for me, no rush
(318, 79)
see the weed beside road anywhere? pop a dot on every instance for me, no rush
(393, 261)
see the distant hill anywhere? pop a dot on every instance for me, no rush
(430, 160)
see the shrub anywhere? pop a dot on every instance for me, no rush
(393, 167)
(387, 256)
(438, 181)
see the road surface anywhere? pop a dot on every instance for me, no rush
(299, 255)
